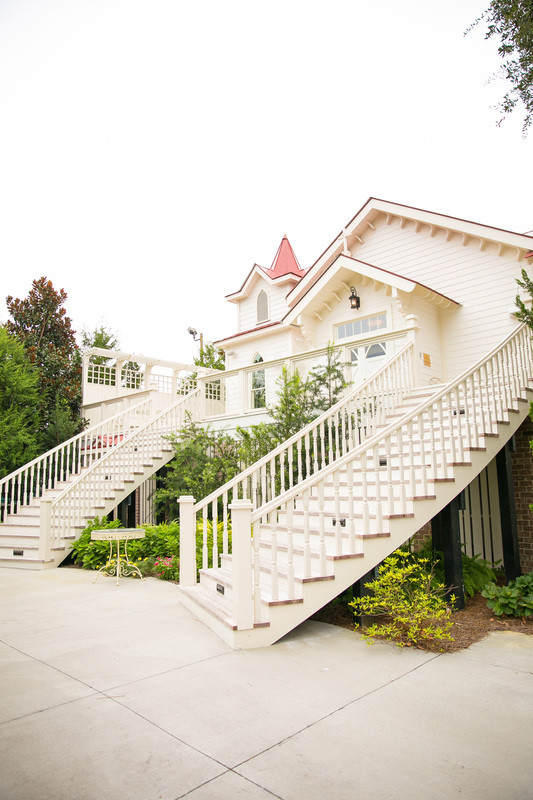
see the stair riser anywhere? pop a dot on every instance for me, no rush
(347, 571)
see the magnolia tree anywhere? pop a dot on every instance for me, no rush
(39, 322)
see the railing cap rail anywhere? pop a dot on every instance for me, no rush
(318, 476)
(86, 432)
(309, 427)
(121, 445)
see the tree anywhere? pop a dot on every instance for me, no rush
(512, 22)
(327, 382)
(204, 460)
(524, 313)
(210, 357)
(39, 322)
(101, 337)
(19, 405)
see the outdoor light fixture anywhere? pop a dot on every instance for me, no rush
(194, 334)
(355, 300)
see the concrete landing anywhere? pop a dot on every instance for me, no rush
(115, 692)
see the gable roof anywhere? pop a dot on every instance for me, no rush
(285, 268)
(343, 266)
(364, 219)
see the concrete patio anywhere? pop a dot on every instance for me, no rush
(120, 692)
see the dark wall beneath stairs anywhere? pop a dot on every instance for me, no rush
(522, 460)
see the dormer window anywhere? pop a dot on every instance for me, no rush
(262, 306)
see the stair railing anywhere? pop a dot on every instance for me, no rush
(331, 435)
(81, 499)
(381, 478)
(69, 458)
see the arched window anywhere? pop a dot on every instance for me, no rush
(262, 306)
(258, 384)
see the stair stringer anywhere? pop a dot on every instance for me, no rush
(283, 618)
(131, 462)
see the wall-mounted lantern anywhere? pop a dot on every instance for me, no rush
(355, 300)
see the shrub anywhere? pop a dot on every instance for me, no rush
(160, 542)
(89, 554)
(515, 599)
(408, 602)
(168, 569)
(477, 572)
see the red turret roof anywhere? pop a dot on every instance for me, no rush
(285, 262)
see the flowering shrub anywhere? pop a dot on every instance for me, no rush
(408, 602)
(167, 568)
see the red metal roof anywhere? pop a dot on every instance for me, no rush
(285, 262)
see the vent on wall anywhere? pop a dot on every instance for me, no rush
(18, 552)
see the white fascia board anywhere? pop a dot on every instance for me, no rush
(357, 267)
(277, 327)
(256, 274)
(474, 229)
(373, 205)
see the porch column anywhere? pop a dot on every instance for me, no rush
(187, 541)
(511, 554)
(446, 537)
(241, 542)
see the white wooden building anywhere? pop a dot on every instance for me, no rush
(422, 306)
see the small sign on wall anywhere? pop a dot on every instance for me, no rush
(427, 360)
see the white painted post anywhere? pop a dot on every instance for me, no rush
(241, 537)
(45, 529)
(187, 541)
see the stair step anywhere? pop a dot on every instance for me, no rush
(217, 605)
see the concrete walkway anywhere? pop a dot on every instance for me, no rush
(115, 693)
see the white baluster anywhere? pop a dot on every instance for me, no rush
(377, 483)
(274, 578)
(257, 572)
(321, 531)
(307, 546)
(338, 529)
(290, 550)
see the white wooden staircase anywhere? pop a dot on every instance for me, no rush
(328, 505)
(46, 504)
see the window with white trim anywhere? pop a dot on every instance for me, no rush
(262, 306)
(258, 385)
(359, 326)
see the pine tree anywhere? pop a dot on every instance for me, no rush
(327, 382)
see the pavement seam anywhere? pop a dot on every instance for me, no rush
(499, 666)
(165, 672)
(335, 711)
(249, 780)
(168, 733)
(102, 694)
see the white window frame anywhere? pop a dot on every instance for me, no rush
(364, 334)
(266, 309)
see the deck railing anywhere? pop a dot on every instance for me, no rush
(422, 447)
(328, 437)
(81, 500)
(45, 472)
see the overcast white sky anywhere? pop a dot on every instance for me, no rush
(151, 152)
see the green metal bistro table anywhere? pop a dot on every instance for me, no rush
(124, 568)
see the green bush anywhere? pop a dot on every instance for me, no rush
(89, 554)
(160, 542)
(515, 599)
(409, 603)
(477, 572)
(167, 569)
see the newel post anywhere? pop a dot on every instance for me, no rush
(45, 529)
(187, 541)
(241, 560)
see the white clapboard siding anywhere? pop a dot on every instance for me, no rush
(463, 272)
